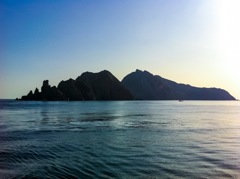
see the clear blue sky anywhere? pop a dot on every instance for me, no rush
(195, 42)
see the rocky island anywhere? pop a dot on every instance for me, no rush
(146, 86)
(138, 85)
(88, 86)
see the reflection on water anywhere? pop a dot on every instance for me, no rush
(119, 139)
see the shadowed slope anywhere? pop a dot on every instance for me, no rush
(105, 86)
(146, 86)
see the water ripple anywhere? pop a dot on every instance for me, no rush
(119, 140)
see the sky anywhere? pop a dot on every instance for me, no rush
(191, 42)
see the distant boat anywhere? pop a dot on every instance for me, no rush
(180, 100)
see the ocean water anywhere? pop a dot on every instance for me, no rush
(125, 139)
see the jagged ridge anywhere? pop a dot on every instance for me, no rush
(88, 86)
(140, 85)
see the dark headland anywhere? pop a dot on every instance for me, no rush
(138, 85)
(146, 86)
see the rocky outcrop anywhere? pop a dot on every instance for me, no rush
(47, 93)
(104, 86)
(51, 93)
(146, 86)
(88, 86)
(69, 89)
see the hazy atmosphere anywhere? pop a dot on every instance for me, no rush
(192, 42)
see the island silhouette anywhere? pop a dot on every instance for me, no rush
(138, 85)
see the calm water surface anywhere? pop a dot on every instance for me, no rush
(155, 139)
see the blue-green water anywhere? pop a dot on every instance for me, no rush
(141, 139)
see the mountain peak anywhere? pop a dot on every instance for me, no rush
(142, 71)
(137, 70)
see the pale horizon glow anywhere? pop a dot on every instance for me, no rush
(190, 42)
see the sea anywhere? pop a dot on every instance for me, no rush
(119, 139)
